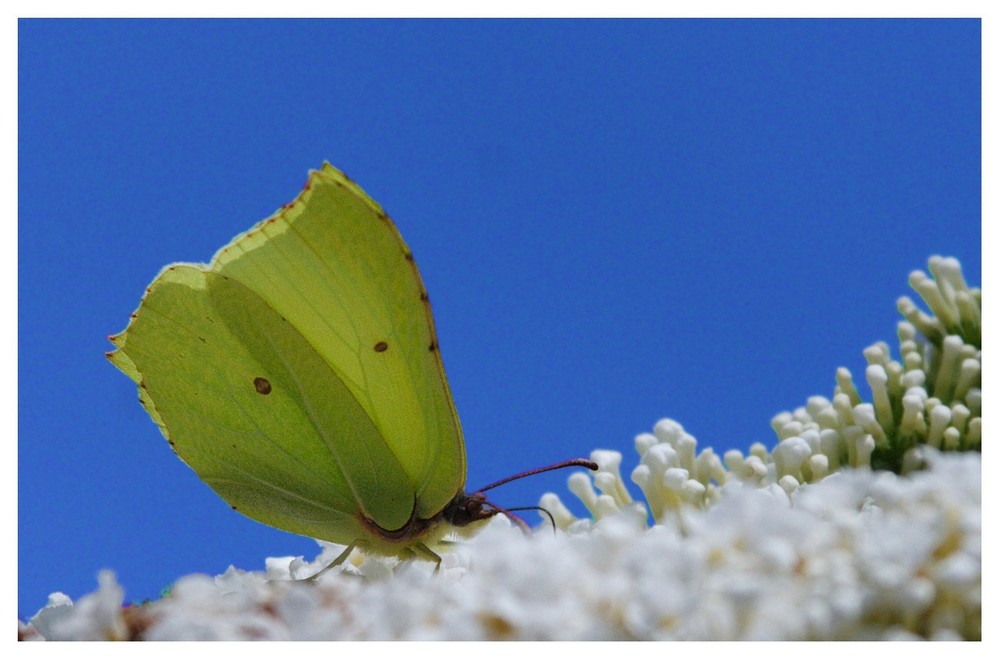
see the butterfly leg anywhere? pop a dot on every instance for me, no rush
(422, 550)
(336, 562)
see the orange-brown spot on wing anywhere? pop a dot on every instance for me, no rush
(381, 347)
(262, 385)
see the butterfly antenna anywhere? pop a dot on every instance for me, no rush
(513, 517)
(575, 462)
(537, 508)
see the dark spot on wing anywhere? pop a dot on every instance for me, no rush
(381, 347)
(433, 347)
(262, 385)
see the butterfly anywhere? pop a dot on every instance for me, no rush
(299, 375)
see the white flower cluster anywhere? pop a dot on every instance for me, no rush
(933, 398)
(861, 555)
(806, 541)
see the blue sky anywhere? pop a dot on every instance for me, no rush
(617, 221)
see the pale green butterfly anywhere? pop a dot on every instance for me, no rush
(299, 375)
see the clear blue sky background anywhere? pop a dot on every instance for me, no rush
(617, 221)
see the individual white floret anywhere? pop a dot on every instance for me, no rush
(734, 461)
(581, 486)
(940, 417)
(790, 455)
(608, 478)
(969, 376)
(974, 435)
(757, 469)
(933, 296)
(561, 514)
(878, 381)
(644, 441)
(96, 616)
(47, 620)
(845, 410)
(708, 468)
(819, 467)
(863, 449)
(974, 399)
(845, 385)
(831, 444)
(788, 483)
(968, 310)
